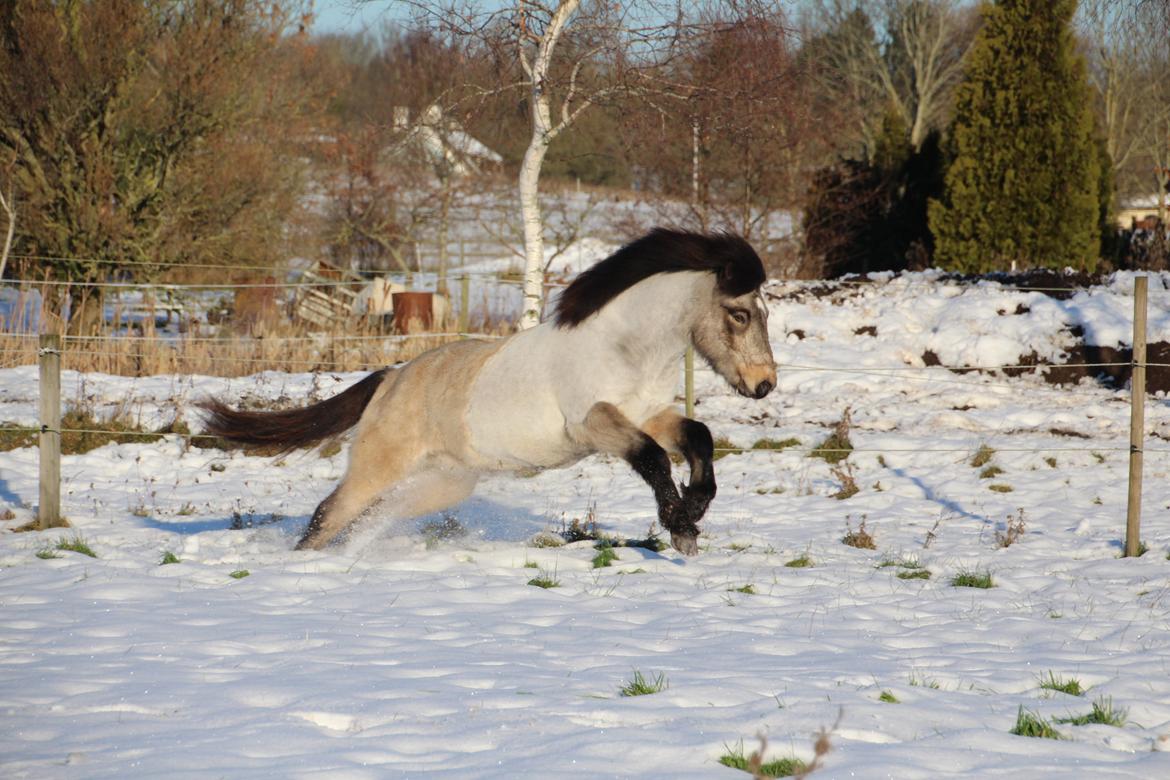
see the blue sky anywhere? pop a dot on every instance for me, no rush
(353, 16)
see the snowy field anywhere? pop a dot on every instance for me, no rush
(409, 653)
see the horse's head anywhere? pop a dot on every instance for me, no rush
(731, 333)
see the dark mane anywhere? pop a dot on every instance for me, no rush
(736, 265)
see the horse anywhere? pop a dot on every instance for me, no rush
(598, 377)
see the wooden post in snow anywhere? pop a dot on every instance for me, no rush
(689, 380)
(1137, 419)
(49, 358)
(464, 303)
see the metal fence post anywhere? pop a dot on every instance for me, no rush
(49, 359)
(1137, 420)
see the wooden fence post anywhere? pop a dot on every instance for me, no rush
(49, 509)
(464, 303)
(689, 380)
(1137, 420)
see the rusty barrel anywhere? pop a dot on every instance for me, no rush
(412, 311)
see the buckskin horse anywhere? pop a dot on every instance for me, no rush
(599, 376)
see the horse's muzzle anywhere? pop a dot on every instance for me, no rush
(762, 389)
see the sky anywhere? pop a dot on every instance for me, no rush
(354, 16)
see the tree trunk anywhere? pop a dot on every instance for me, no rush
(543, 133)
(533, 224)
(9, 206)
(444, 225)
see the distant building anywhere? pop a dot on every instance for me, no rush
(1141, 211)
(444, 141)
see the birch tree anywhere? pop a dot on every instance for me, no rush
(8, 206)
(560, 58)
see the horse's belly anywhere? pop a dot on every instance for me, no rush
(519, 436)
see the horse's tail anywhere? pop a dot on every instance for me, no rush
(292, 428)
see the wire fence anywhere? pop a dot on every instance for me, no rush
(98, 346)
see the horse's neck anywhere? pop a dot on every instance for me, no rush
(652, 321)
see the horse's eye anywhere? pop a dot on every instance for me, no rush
(739, 316)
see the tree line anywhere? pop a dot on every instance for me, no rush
(169, 138)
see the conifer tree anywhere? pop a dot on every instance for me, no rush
(1023, 183)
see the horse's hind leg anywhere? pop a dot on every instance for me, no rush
(337, 512)
(417, 494)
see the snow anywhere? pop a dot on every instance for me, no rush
(396, 654)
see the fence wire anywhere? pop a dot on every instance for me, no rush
(724, 450)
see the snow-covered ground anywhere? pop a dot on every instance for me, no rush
(402, 654)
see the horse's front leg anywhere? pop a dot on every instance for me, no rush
(606, 429)
(691, 439)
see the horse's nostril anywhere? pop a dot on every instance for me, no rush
(763, 388)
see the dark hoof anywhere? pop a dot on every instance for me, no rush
(686, 544)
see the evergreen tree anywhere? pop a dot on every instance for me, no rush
(1023, 184)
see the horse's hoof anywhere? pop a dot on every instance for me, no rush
(685, 544)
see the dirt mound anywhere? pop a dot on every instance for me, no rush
(1109, 366)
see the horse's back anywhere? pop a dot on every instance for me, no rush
(425, 401)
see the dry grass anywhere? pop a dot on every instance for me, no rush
(1014, 528)
(837, 446)
(843, 472)
(861, 538)
(233, 347)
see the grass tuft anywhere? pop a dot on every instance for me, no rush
(77, 544)
(1029, 724)
(239, 574)
(775, 444)
(1071, 686)
(724, 447)
(640, 686)
(545, 580)
(803, 562)
(757, 767)
(748, 589)
(973, 579)
(914, 574)
(605, 556)
(47, 554)
(888, 698)
(168, 557)
(1102, 713)
(982, 456)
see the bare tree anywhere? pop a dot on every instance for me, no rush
(560, 58)
(729, 121)
(912, 61)
(1123, 90)
(1129, 68)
